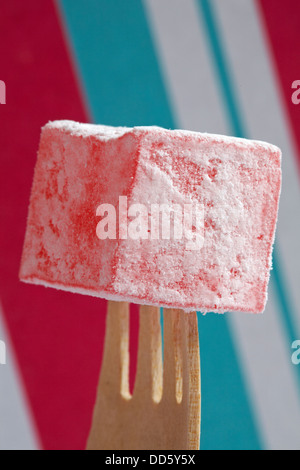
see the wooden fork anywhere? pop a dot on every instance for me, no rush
(164, 411)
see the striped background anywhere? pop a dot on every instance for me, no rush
(207, 65)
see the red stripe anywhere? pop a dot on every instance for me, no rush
(58, 337)
(281, 21)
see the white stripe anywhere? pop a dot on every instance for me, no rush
(182, 49)
(16, 428)
(186, 65)
(270, 378)
(264, 115)
(266, 352)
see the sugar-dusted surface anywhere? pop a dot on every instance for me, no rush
(81, 166)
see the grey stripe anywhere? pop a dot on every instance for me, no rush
(16, 429)
(186, 65)
(264, 350)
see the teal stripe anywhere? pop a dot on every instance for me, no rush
(227, 421)
(238, 128)
(162, 326)
(222, 70)
(124, 86)
(117, 63)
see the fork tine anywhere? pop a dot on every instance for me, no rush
(169, 374)
(149, 366)
(184, 328)
(174, 354)
(115, 379)
(194, 383)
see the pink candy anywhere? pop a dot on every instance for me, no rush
(222, 193)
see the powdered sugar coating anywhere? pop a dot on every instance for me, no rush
(81, 166)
